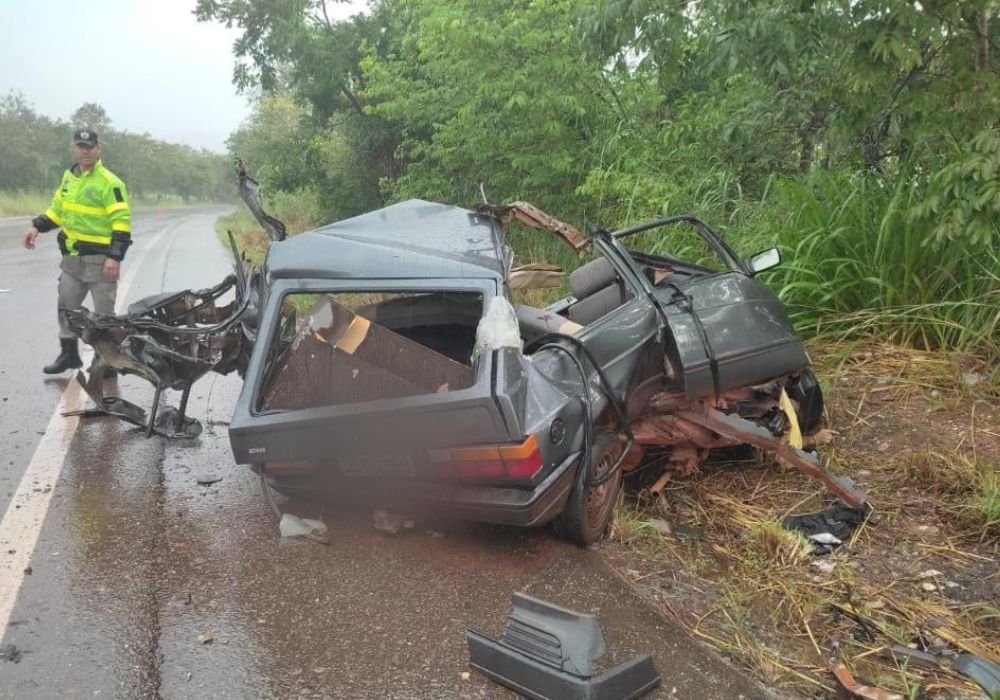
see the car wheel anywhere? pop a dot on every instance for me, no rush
(588, 511)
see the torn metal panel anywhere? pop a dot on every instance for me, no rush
(744, 431)
(171, 340)
(530, 215)
(250, 193)
(167, 422)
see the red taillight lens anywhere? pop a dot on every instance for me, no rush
(491, 470)
(524, 468)
(486, 462)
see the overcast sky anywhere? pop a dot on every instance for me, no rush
(149, 63)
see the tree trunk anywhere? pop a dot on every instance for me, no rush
(352, 98)
(806, 153)
(982, 39)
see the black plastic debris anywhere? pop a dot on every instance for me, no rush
(548, 652)
(827, 527)
(982, 671)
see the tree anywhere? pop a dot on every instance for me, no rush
(91, 115)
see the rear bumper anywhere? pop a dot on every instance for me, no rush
(504, 506)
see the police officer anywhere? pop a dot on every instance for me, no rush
(91, 206)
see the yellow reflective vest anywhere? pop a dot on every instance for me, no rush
(93, 210)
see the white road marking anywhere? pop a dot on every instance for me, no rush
(26, 511)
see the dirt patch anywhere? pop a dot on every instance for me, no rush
(920, 433)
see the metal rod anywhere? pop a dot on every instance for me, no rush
(179, 423)
(152, 411)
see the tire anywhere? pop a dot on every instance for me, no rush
(809, 397)
(589, 510)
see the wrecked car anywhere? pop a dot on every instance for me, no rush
(384, 358)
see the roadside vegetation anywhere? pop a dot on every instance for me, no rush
(918, 432)
(862, 139)
(35, 150)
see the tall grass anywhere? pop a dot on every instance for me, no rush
(855, 264)
(23, 203)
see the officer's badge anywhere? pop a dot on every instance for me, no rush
(89, 192)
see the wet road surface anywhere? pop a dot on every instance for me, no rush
(146, 582)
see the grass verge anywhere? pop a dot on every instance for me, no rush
(920, 432)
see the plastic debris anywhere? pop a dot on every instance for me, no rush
(827, 528)
(387, 521)
(294, 526)
(550, 652)
(825, 538)
(982, 671)
(912, 657)
(930, 573)
(824, 565)
(498, 328)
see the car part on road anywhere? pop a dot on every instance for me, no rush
(168, 421)
(170, 340)
(547, 652)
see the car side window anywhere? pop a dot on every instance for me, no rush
(679, 243)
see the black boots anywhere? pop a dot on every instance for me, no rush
(69, 358)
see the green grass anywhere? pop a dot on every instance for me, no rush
(23, 203)
(855, 265)
(299, 211)
(250, 238)
(31, 203)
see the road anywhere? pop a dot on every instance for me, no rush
(142, 582)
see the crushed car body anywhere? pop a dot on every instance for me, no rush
(383, 355)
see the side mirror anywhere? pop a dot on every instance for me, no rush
(764, 260)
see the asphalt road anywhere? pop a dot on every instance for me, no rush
(144, 582)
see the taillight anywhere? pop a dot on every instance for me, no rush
(486, 462)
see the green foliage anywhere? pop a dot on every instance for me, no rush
(963, 197)
(35, 150)
(471, 92)
(863, 138)
(856, 263)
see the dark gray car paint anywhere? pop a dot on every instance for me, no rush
(419, 245)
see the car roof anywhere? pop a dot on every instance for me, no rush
(409, 240)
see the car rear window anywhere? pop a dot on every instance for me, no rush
(351, 347)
